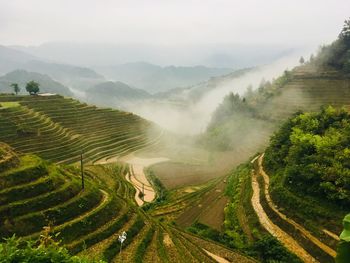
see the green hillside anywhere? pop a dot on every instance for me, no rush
(60, 129)
(308, 162)
(40, 198)
(301, 184)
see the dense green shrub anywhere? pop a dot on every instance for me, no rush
(311, 151)
(271, 250)
(207, 232)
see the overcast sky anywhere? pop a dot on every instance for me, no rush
(175, 22)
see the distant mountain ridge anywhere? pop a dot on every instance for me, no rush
(11, 59)
(115, 94)
(21, 77)
(154, 78)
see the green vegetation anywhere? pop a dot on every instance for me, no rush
(32, 87)
(13, 250)
(242, 228)
(337, 54)
(308, 164)
(157, 185)
(115, 246)
(9, 104)
(312, 151)
(141, 249)
(58, 129)
(15, 87)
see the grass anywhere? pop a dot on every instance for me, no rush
(9, 104)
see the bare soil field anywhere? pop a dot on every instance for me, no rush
(215, 216)
(209, 209)
(174, 175)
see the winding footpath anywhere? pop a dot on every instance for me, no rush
(281, 235)
(138, 178)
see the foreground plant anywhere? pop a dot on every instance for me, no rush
(16, 250)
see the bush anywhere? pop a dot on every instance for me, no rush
(13, 250)
(270, 249)
(311, 153)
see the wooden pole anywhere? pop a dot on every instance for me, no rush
(82, 171)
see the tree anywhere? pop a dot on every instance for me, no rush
(32, 87)
(312, 58)
(301, 60)
(15, 87)
(345, 33)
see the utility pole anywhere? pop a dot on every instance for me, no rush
(82, 170)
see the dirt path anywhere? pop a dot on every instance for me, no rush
(216, 258)
(331, 234)
(273, 229)
(138, 178)
(306, 233)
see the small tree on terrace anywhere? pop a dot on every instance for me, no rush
(32, 87)
(301, 60)
(15, 87)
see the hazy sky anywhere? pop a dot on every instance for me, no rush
(32, 22)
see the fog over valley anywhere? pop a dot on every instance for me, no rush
(199, 131)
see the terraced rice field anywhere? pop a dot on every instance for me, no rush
(60, 129)
(308, 89)
(35, 194)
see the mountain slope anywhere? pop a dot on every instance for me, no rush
(304, 191)
(60, 129)
(21, 77)
(12, 59)
(115, 94)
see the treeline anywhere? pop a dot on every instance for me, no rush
(336, 55)
(311, 151)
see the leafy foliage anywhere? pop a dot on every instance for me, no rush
(337, 54)
(15, 87)
(13, 250)
(32, 87)
(312, 150)
(271, 250)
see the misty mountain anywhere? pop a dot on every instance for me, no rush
(11, 59)
(195, 92)
(153, 78)
(217, 55)
(115, 94)
(21, 77)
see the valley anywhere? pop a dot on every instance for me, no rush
(151, 163)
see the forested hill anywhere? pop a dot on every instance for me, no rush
(322, 80)
(311, 153)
